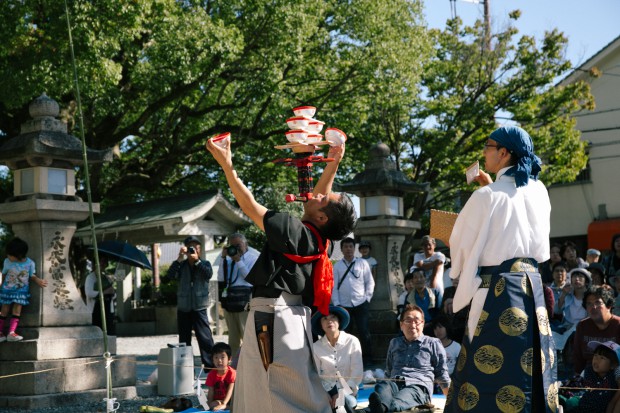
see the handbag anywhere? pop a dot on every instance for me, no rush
(236, 298)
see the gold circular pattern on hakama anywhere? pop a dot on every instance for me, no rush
(500, 286)
(543, 321)
(525, 286)
(551, 358)
(468, 396)
(552, 396)
(483, 318)
(460, 362)
(542, 360)
(450, 394)
(488, 359)
(527, 361)
(513, 321)
(510, 399)
(523, 265)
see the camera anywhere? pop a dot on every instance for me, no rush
(231, 250)
(191, 250)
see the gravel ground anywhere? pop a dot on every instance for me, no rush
(126, 406)
(146, 350)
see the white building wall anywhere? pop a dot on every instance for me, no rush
(574, 206)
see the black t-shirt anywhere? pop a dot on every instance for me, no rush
(273, 272)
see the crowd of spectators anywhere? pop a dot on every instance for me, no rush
(583, 305)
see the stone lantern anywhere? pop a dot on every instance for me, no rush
(44, 211)
(381, 188)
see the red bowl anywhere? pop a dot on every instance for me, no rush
(335, 136)
(220, 140)
(296, 136)
(314, 138)
(308, 111)
(314, 126)
(297, 123)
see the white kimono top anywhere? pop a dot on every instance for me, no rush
(499, 222)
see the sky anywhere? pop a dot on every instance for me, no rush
(588, 24)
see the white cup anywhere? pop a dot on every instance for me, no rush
(221, 140)
(111, 404)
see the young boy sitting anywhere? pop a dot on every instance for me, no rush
(221, 380)
(402, 298)
(602, 374)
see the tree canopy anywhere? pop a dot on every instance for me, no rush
(158, 77)
(469, 89)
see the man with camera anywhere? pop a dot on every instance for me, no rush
(237, 260)
(193, 275)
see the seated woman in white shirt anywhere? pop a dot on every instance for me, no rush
(338, 356)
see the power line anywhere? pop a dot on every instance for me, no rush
(596, 112)
(600, 129)
(598, 158)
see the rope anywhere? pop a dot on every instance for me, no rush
(109, 359)
(47, 370)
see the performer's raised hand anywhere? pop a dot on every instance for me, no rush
(222, 155)
(336, 152)
(324, 185)
(244, 197)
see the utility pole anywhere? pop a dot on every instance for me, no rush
(487, 24)
(487, 18)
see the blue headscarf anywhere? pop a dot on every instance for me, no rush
(520, 145)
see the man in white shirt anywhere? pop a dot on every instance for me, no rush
(498, 239)
(432, 263)
(231, 274)
(353, 289)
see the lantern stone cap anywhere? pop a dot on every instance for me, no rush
(380, 176)
(44, 140)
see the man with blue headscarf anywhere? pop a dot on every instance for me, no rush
(507, 361)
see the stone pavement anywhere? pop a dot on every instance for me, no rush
(146, 350)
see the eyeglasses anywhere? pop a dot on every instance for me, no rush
(415, 321)
(597, 304)
(488, 145)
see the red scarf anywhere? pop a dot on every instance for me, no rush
(322, 272)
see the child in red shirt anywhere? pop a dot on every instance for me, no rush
(221, 380)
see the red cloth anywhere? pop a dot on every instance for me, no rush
(220, 383)
(322, 272)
